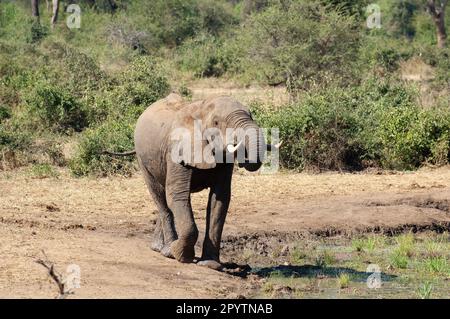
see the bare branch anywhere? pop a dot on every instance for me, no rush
(55, 276)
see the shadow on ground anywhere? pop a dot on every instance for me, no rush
(304, 271)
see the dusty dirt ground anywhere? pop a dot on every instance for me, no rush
(105, 225)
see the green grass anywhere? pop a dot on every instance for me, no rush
(343, 280)
(424, 291)
(325, 258)
(42, 171)
(437, 265)
(406, 244)
(297, 256)
(411, 266)
(399, 260)
(368, 244)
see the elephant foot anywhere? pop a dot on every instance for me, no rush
(157, 246)
(182, 252)
(166, 251)
(212, 264)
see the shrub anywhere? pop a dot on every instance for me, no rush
(174, 21)
(55, 108)
(37, 32)
(377, 124)
(343, 280)
(202, 55)
(42, 171)
(5, 113)
(143, 82)
(138, 86)
(115, 113)
(317, 132)
(14, 142)
(304, 44)
(63, 65)
(399, 260)
(114, 135)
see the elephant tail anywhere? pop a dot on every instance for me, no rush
(129, 153)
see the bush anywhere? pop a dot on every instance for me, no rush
(301, 43)
(67, 66)
(174, 21)
(37, 32)
(202, 56)
(136, 88)
(14, 143)
(5, 113)
(54, 108)
(115, 113)
(114, 135)
(318, 132)
(378, 124)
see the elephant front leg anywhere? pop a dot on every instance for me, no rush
(179, 201)
(183, 249)
(219, 200)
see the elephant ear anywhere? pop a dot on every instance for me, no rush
(187, 146)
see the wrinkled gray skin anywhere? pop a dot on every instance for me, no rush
(171, 183)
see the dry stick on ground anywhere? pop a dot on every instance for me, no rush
(56, 277)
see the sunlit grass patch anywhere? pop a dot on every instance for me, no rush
(325, 258)
(424, 291)
(438, 265)
(42, 171)
(343, 280)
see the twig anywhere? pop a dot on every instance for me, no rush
(55, 276)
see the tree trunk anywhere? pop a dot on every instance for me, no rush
(35, 9)
(441, 33)
(437, 11)
(55, 12)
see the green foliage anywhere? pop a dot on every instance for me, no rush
(399, 260)
(424, 291)
(42, 171)
(54, 108)
(38, 32)
(343, 280)
(437, 265)
(402, 13)
(377, 124)
(203, 56)
(141, 84)
(114, 135)
(116, 111)
(440, 60)
(325, 259)
(5, 113)
(301, 43)
(349, 109)
(13, 138)
(173, 21)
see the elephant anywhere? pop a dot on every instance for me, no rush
(172, 170)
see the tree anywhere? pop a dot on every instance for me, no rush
(35, 9)
(302, 44)
(437, 10)
(55, 12)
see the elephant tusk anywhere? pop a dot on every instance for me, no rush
(270, 147)
(232, 149)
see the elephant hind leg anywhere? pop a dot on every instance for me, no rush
(158, 237)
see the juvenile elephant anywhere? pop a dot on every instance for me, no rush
(175, 168)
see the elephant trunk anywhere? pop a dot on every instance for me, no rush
(252, 137)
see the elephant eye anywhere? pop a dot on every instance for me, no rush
(216, 123)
